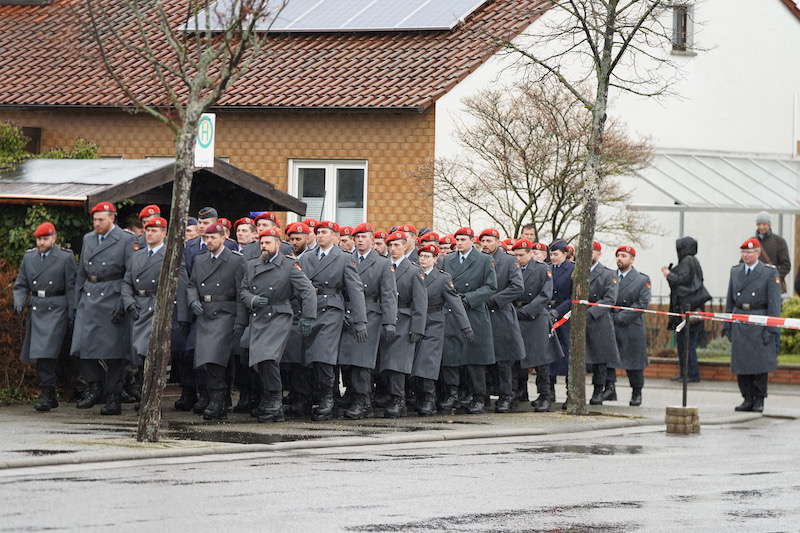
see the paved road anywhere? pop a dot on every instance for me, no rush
(725, 479)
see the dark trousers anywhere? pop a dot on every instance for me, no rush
(424, 386)
(752, 385)
(185, 362)
(543, 380)
(521, 381)
(694, 331)
(215, 377)
(505, 378)
(396, 383)
(599, 374)
(635, 377)
(475, 375)
(269, 373)
(93, 371)
(46, 370)
(324, 377)
(359, 380)
(301, 385)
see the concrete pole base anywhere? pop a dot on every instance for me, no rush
(682, 420)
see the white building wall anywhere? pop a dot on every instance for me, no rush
(739, 95)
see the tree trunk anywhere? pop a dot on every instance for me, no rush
(159, 349)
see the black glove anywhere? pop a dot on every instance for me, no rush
(554, 314)
(492, 305)
(118, 314)
(133, 311)
(389, 332)
(260, 301)
(346, 322)
(184, 328)
(196, 307)
(18, 308)
(360, 332)
(238, 330)
(469, 334)
(306, 324)
(464, 301)
(523, 315)
(414, 338)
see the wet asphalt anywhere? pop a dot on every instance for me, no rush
(728, 478)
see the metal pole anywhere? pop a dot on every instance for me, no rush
(685, 362)
(681, 215)
(780, 224)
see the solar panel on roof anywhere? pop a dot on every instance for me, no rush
(358, 15)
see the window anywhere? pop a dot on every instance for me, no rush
(332, 190)
(682, 28)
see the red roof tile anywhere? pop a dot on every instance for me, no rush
(794, 6)
(49, 59)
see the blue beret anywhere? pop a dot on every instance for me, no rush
(558, 244)
(191, 221)
(207, 212)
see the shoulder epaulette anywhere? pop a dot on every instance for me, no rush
(771, 266)
(441, 270)
(235, 252)
(30, 250)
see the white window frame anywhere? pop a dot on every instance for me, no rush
(331, 185)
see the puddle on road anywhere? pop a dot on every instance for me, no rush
(40, 452)
(586, 449)
(180, 431)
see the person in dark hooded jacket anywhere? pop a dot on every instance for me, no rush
(684, 279)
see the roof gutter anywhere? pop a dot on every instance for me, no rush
(38, 107)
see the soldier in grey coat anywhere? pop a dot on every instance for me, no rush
(380, 294)
(535, 320)
(754, 289)
(45, 285)
(601, 343)
(270, 283)
(509, 348)
(633, 291)
(332, 272)
(102, 332)
(213, 297)
(442, 296)
(397, 352)
(475, 280)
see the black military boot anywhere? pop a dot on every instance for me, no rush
(202, 402)
(503, 404)
(131, 393)
(187, 400)
(449, 402)
(758, 405)
(273, 408)
(552, 391)
(475, 406)
(91, 396)
(396, 408)
(426, 404)
(411, 398)
(112, 406)
(358, 408)
(542, 404)
(746, 405)
(298, 407)
(244, 405)
(382, 400)
(597, 395)
(610, 392)
(216, 406)
(463, 399)
(325, 409)
(47, 400)
(636, 397)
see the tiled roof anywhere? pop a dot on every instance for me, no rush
(48, 58)
(794, 6)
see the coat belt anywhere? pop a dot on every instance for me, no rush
(47, 294)
(145, 292)
(434, 308)
(329, 292)
(100, 279)
(217, 298)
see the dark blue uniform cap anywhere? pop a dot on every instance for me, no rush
(558, 244)
(191, 221)
(207, 212)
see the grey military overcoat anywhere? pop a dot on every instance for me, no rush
(412, 312)
(215, 283)
(475, 279)
(380, 294)
(633, 291)
(280, 280)
(442, 298)
(508, 344)
(139, 288)
(331, 276)
(98, 292)
(534, 317)
(753, 349)
(47, 287)
(601, 343)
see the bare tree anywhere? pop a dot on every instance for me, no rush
(193, 52)
(607, 44)
(523, 163)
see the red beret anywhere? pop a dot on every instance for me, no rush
(44, 229)
(430, 236)
(394, 236)
(447, 239)
(596, 246)
(508, 242)
(327, 224)
(542, 247)
(311, 222)
(297, 227)
(750, 244)
(522, 244)
(156, 222)
(270, 232)
(570, 249)
(225, 222)
(408, 228)
(215, 229)
(381, 235)
(346, 230)
(464, 231)
(489, 232)
(627, 249)
(430, 248)
(104, 206)
(364, 227)
(149, 210)
(244, 220)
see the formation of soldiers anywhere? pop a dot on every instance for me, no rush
(337, 321)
